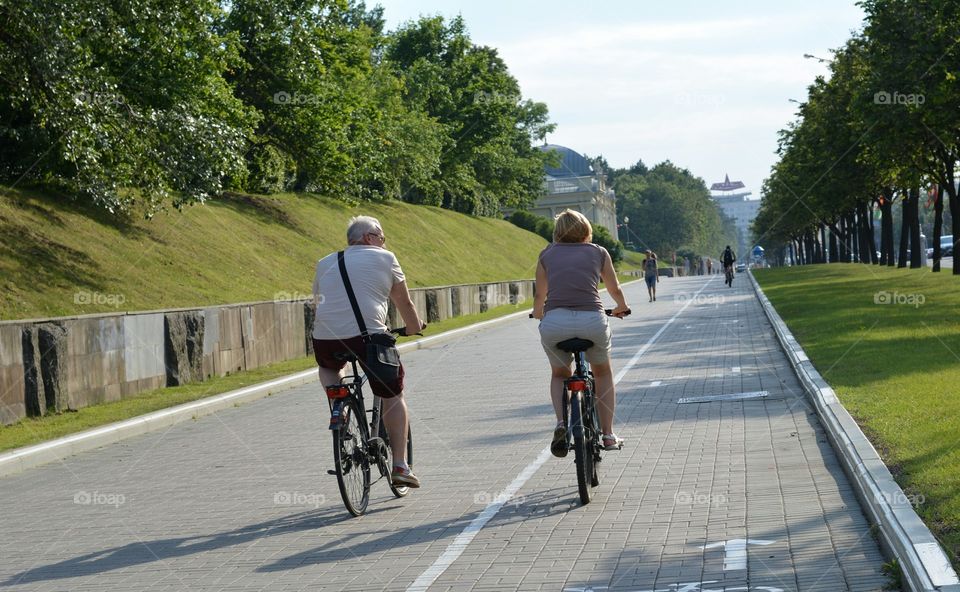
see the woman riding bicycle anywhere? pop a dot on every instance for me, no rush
(568, 305)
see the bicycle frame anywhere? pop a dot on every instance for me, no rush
(581, 374)
(354, 383)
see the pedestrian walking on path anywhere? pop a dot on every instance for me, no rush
(650, 275)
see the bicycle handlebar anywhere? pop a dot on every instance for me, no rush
(402, 331)
(606, 311)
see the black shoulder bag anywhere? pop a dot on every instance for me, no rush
(382, 357)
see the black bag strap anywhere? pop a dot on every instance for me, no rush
(350, 294)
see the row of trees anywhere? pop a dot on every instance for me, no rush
(545, 226)
(174, 102)
(883, 129)
(669, 210)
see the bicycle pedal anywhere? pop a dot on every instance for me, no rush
(332, 472)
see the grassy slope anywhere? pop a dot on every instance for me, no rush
(896, 368)
(239, 249)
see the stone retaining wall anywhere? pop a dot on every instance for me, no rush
(52, 365)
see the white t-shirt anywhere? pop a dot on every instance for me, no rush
(373, 272)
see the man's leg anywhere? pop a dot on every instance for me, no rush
(328, 376)
(395, 420)
(606, 395)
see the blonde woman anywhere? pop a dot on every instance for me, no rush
(568, 305)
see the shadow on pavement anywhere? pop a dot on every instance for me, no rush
(142, 552)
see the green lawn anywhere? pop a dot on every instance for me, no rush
(888, 342)
(34, 430)
(60, 258)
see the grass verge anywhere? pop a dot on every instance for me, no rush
(60, 258)
(35, 430)
(888, 341)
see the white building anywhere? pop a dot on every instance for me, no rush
(576, 185)
(733, 199)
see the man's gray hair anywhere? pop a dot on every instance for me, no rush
(358, 226)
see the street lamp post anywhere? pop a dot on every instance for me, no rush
(626, 220)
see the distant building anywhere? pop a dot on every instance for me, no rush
(732, 198)
(576, 185)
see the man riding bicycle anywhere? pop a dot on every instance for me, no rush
(728, 257)
(376, 277)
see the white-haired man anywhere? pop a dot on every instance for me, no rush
(376, 277)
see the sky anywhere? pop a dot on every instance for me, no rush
(701, 83)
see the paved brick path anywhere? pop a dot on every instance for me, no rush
(241, 500)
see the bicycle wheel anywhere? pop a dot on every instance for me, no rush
(401, 490)
(581, 447)
(350, 458)
(593, 445)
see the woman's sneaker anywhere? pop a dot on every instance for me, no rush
(612, 442)
(404, 477)
(559, 445)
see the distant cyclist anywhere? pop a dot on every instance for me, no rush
(568, 305)
(728, 257)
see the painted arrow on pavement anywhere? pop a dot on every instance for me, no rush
(735, 551)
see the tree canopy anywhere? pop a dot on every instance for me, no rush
(881, 126)
(169, 103)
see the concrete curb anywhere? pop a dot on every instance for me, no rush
(21, 459)
(924, 564)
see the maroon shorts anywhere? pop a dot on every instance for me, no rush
(324, 350)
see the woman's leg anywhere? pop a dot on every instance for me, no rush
(606, 395)
(557, 375)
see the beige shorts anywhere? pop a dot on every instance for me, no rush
(562, 323)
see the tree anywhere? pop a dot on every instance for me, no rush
(488, 159)
(120, 102)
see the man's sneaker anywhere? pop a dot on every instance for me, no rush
(559, 445)
(402, 477)
(612, 442)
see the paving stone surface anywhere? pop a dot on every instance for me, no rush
(720, 496)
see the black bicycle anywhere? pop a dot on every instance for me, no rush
(729, 275)
(580, 416)
(354, 449)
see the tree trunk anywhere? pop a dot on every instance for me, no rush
(937, 227)
(886, 228)
(844, 244)
(866, 249)
(834, 250)
(916, 255)
(954, 212)
(904, 230)
(854, 235)
(871, 232)
(823, 241)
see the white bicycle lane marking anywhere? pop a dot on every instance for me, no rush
(459, 544)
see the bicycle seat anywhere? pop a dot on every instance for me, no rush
(344, 356)
(575, 345)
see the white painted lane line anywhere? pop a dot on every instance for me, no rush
(636, 357)
(459, 544)
(655, 383)
(735, 369)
